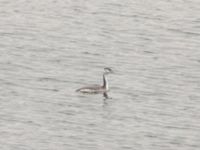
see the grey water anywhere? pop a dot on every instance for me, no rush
(50, 48)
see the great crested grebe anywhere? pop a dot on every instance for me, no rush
(98, 88)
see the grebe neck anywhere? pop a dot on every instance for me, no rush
(105, 82)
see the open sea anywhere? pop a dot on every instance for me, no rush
(50, 48)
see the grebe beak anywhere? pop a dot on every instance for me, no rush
(111, 72)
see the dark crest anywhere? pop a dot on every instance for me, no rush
(108, 69)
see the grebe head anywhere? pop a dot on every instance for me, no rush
(108, 70)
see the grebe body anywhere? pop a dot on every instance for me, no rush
(98, 88)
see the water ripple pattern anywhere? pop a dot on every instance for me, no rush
(50, 48)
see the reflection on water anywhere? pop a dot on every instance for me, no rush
(51, 48)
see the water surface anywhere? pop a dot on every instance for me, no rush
(50, 48)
